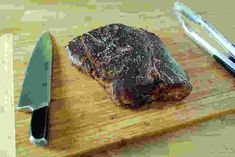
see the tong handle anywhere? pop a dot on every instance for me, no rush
(225, 65)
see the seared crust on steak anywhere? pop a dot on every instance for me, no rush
(132, 64)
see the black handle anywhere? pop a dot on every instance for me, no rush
(39, 126)
(224, 64)
(232, 59)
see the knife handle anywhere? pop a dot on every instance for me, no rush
(39, 126)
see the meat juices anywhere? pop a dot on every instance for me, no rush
(132, 64)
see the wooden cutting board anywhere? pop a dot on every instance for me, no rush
(84, 119)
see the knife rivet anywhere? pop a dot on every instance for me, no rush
(44, 84)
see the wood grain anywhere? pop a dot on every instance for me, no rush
(84, 119)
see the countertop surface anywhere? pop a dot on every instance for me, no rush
(67, 19)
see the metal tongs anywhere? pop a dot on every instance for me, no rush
(228, 60)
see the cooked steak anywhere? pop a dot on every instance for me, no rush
(132, 64)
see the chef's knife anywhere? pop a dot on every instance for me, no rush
(36, 90)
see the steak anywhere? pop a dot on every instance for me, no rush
(132, 64)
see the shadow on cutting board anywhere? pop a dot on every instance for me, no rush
(60, 113)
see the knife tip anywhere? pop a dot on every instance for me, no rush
(47, 33)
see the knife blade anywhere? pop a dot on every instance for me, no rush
(36, 90)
